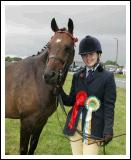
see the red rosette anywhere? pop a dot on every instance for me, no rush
(81, 97)
(80, 100)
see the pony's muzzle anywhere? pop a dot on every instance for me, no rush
(50, 77)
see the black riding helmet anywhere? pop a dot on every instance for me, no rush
(89, 44)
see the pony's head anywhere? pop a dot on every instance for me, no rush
(60, 53)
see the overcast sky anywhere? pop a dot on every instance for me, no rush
(27, 28)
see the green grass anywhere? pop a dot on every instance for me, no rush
(52, 141)
(118, 145)
(119, 76)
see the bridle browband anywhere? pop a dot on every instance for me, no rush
(75, 39)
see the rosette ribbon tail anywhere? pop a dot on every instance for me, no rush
(87, 126)
(92, 104)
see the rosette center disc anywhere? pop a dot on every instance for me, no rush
(93, 103)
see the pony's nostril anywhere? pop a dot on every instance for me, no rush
(53, 74)
(49, 75)
(46, 76)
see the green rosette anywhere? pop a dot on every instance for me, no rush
(93, 103)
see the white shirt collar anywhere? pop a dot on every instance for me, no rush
(92, 68)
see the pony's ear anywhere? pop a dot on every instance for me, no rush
(70, 26)
(54, 25)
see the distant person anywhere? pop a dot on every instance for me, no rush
(124, 71)
(99, 85)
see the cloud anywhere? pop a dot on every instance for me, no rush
(28, 27)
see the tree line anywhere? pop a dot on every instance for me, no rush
(108, 62)
(10, 59)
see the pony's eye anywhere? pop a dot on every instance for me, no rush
(67, 48)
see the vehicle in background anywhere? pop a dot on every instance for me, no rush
(75, 69)
(120, 71)
(124, 70)
(111, 68)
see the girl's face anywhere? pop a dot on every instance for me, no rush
(90, 59)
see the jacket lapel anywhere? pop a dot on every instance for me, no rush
(95, 75)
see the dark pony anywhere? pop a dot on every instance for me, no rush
(32, 83)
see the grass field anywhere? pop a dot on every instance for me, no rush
(120, 76)
(52, 141)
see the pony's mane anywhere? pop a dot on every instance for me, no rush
(42, 50)
(63, 29)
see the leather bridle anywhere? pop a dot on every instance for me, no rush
(61, 73)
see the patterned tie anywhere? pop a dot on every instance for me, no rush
(90, 74)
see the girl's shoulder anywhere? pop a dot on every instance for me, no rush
(80, 73)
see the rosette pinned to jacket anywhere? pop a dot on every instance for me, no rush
(92, 104)
(80, 100)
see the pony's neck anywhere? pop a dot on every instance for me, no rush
(43, 56)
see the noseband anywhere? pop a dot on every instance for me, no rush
(60, 72)
(57, 58)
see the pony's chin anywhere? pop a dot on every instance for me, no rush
(52, 82)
